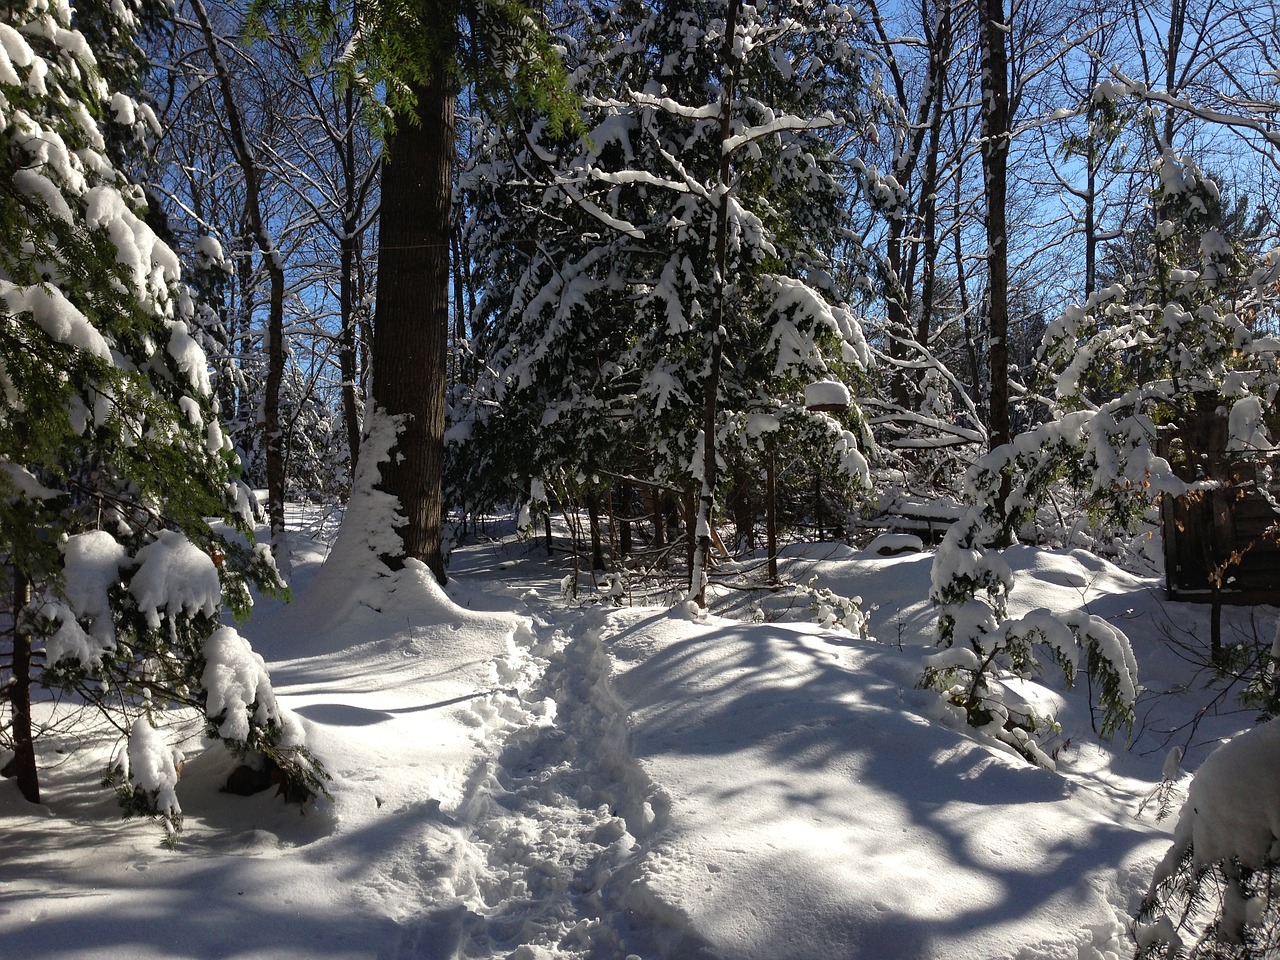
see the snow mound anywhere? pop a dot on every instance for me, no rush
(812, 803)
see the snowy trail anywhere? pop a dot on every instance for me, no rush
(556, 818)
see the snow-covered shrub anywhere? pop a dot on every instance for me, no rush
(970, 586)
(1214, 893)
(835, 612)
(969, 674)
(146, 775)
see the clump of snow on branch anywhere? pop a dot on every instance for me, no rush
(238, 688)
(175, 577)
(1215, 883)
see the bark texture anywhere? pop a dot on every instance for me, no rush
(411, 324)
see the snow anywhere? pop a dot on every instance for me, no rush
(152, 766)
(174, 575)
(25, 483)
(238, 685)
(1233, 805)
(892, 543)
(826, 393)
(1246, 427)
(123, 109)
(57, 316)
(520, 775)
(91, 567)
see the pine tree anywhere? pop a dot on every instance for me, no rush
(672, 292)
(1136, 355)
(1212, 897)
(111, 453)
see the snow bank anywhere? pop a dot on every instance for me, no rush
(814, 811)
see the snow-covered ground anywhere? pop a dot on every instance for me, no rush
(521, 775)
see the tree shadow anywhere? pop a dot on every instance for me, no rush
(832, 761)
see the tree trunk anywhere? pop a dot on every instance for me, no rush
(995, 156)
(252, 171)
(939, 56)
(346, 290)
(593, 519)
(347, 348)
(626, 496)
(272, 428)
(24, 751)
(771, 508)
(899, 317)
(700, 561)
(411, 326)
(656, 503)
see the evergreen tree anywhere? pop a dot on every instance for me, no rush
(1212, 897)
(1135, 356)
(694, 222)
(111, 453)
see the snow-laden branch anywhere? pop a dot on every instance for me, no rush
(623, 177)
(708, 111)
(1126, 85)
(777, 126)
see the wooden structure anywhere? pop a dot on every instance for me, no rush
(1222, 545)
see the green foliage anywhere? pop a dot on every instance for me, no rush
(498, 48)
(971, 583)
(1227, 907)
(595, 258)
(112, 458)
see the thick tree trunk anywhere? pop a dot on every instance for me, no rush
(411, 326)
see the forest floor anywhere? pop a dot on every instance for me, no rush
(518, 773)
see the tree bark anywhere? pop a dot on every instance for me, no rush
(771, 507)
(939, 55)
(411, 325)
(347, 287)
(25, 771)
(593, 520)
(701, 533)
(626, 496)
(995, 156)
